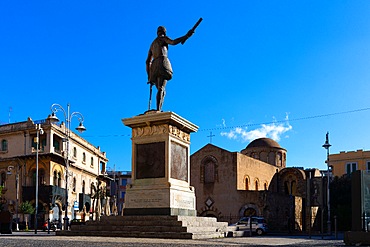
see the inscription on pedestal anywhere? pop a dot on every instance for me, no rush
(150, 160)
(183, 201)
(179, 162)
(148, 199)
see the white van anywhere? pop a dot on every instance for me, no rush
(259, 225)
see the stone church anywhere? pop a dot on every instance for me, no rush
(255, 181)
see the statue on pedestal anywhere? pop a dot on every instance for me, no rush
(158, 66)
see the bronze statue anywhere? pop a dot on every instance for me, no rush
(158, 66)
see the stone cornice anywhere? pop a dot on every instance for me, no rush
(152, 118)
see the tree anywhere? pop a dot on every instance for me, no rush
(26, 208)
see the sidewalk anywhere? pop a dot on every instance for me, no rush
(30, 233)
(45, 239)
(340, 235)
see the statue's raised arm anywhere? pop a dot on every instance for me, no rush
(158, 66)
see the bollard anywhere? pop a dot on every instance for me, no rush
(48, 226)
(335, 227)
(322, 223)
(250, 226)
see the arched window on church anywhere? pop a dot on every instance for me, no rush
(284, 159)
(246, 184)
(264, 157)
(271, 158)
(208, 170)
(255, 155)
(280, 159)
(286, 188)
(256, 185)
(293, 187)
(265, 186)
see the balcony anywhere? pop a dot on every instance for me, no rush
(84, 200)
(58, 151)
(41, 150)
(47, 193)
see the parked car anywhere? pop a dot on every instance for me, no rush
(259, 225)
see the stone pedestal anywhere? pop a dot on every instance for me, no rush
(160, 182)
(159, 202)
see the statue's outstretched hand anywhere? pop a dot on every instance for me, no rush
(190, 33)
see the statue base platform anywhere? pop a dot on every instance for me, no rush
(160, 165)
(167, 227)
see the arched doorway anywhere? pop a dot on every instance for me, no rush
(250, 212)
(211, 213)
(208, 213)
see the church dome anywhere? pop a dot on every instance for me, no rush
(263, 142)
(266, 150)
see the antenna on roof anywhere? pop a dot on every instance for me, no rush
(10, 110)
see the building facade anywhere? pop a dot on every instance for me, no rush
(117, 188)
(87, 164)
(255, 181)
(345, 163)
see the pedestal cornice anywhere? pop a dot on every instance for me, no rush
(152, 118)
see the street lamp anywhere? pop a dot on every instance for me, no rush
(67, 132)
(39, 131)
(327, 146)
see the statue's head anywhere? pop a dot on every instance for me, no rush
(161, 30)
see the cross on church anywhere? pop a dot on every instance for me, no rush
(210, 137)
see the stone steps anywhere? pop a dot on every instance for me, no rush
(145, 228)
(139, 234)
(174, 227)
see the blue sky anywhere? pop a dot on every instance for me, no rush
(281, 69)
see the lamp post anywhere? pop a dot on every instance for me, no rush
(39, 131)
(67, 132)
(327, 146)
(17, 197)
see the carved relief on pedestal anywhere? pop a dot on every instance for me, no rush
(179, 133)
(150, 130)
(160, 129)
